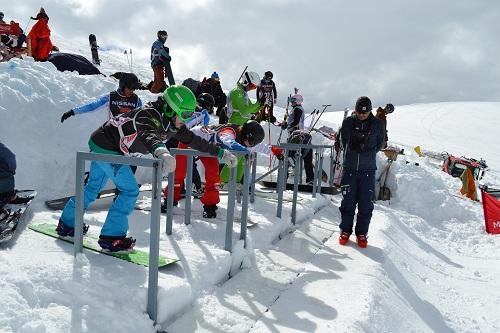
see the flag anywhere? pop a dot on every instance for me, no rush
(491, 208)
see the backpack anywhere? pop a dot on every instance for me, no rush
(192, 84)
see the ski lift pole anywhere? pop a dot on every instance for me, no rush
(131, 66)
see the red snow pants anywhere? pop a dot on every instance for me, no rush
(212, 178)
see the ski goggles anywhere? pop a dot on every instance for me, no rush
(185, 115)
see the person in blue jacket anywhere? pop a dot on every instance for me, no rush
(117, 102)
(159, 55)
(362, 136)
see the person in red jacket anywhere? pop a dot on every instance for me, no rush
(39, 43)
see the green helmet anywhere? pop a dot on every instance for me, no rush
(180, 100)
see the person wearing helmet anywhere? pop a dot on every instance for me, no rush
(246, 137)
(159, 56)
(267, 95)
(381, 114)
(295, 120)
(212, 86)
(138, 132)
(361, 136)
(116, 102)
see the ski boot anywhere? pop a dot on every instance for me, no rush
(344, 238)
(362, 241)
(116, 243)
(64, 231)
(163, 206)
(209, 211)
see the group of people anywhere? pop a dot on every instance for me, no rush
(38, 42)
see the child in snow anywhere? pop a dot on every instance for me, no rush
(246, 137)
(266, 95)
(140, 131)
(117, 102)
(213, 87)
(7, 184)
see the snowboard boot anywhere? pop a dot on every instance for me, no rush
(116, 243)
(64, 231)
(362, 241)
(209, 211)
(163, 206)
(344, 238)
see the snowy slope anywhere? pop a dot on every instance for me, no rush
(428, 252)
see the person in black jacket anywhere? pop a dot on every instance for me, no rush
(8, 165)
(362, 136)
(267, 95)
(212, 86)
(138, 132)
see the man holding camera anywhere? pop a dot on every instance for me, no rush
(362, 136)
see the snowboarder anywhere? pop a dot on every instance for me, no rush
(382, 115)
(213, 87)
(117, 102)
(7, 184)
(239, 110)
(296, 134)
(140, 131)
(362, 136)
(246, 137)
(159, 55)
(39, 43)
(266, 95)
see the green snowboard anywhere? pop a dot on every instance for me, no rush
(90, 242)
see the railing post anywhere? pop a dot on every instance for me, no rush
(188, 190)
(230, 210)
(254, 177)
(244, 204)
(332, 165)
(79, 199)
(300, 163)
(316, 168)
(170, 202)
(279, 187)
(320, 171)
(295, 188)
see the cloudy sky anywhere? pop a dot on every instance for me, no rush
(400, 51)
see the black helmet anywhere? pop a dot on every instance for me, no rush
(253, 132)
(268, 75)
(206, 101)
(162, 35)
(363, 105)
(389, 108)
(128, 80)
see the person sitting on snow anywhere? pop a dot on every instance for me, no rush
(8, 194)
(117, 102)
(246, 137)
(140, 131)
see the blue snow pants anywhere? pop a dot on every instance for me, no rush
(116, 223)
(357, 189)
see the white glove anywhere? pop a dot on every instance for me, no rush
(229, 158)
(168, 160)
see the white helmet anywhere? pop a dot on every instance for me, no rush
(296, 99)
(250, 78)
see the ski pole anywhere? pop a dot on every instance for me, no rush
(242, 74)
(324, 108)
(26, 28)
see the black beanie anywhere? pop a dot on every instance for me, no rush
(363, 104)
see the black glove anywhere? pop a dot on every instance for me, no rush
(284, 125)
(66, 115)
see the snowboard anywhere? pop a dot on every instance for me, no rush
(168, 73)
(11, 214)
(137, 257)
(58, 204)
(302, 187)
(93, 49)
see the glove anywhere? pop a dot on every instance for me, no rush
(206, 117)
(278, 152)
(229, 158)
(66, 115)
(168, 160)
(284, 125)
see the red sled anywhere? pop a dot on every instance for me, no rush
(491, 208)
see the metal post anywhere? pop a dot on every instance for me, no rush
(279, 187)
(244, 204)
(230, 210)
(170, 202)
(189, 190)
(315, 180)
(254, 176)
(332, 165)
(300, 163)
(154, 242)
(285, 169)
(320, 171)
(80, 169)
(295, 189)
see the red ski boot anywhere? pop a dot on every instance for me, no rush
(344, 238)
(362, 241)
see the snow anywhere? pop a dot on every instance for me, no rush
(429, 267)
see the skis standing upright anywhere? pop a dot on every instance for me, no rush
(168, 73)
(93, 49)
